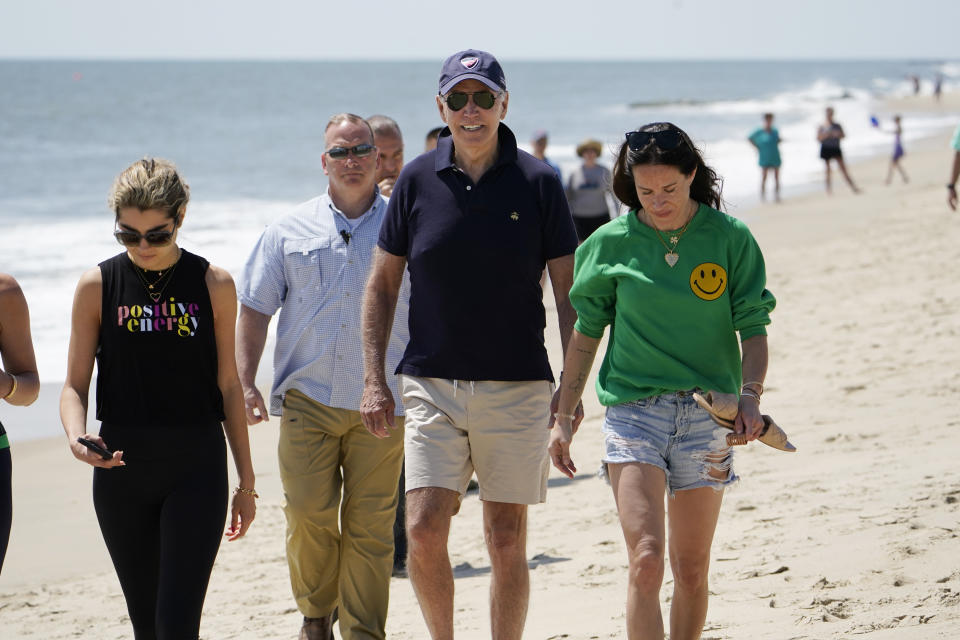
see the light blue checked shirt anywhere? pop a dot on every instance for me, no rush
(303, 265)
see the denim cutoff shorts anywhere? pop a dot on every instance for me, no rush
(673, 433)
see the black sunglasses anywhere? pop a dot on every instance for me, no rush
(457, 100)
(359, 151)
(153, 238)
(666, 140)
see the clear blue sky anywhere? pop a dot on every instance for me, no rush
(514, 29)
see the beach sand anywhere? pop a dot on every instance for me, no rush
(856, 534)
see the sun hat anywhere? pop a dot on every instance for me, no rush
(590, 143)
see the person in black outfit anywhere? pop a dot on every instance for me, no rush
(160, 323)
(829, 134)
(19, 384)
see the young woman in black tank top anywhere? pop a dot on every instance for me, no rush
(159, 321)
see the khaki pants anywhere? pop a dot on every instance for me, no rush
(322, 451)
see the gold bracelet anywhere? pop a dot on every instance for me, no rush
(246, 492)
(750, 394)
(13, 387)
(746, 385)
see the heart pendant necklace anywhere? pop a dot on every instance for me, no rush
(671, 256)
(166, 274)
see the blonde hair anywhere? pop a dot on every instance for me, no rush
(151, 183)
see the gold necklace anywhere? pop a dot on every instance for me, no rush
(671, 256)
(168, 272)
(143, 276)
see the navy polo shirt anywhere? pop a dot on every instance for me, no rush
(475, 253)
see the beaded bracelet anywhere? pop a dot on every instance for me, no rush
(557, 416)
(13, 387)
(247, 492)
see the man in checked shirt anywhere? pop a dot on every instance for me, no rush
(312, 265)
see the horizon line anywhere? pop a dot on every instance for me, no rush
(395, 60)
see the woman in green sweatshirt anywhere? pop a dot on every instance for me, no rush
(676, 281)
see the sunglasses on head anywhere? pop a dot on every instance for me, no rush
(457, 100)
(359, 151)
(153, 238)
(666, 140)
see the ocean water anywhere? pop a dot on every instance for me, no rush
(248, 136)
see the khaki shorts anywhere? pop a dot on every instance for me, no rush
(498, 429)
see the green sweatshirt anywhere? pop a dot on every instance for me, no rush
(671, 328)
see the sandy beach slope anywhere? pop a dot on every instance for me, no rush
(854, 536)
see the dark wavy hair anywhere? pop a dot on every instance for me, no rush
(706, 186)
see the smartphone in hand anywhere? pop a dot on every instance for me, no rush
(106, 454)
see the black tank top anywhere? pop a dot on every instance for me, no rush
(157, 361)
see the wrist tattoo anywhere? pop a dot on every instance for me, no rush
(579, 383)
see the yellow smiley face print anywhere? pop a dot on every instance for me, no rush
(708, 281)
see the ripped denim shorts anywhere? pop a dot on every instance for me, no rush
(673, 433)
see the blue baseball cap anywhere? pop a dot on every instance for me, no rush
(472, 65)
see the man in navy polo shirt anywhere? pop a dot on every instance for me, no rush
(476, 221)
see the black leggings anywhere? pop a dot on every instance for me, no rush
(6, 501)
(162, 520)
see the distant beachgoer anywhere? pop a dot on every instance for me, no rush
(431, 141)
(830, 134)
(897, 152)
(538, 143)
(678, 315)
(389, 143)
(938, 87)
(915, 81)
(19, 384)
(159, 321)
(954, 171)
(587, 190)
(766, 139)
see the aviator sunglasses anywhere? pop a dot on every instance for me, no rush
(666, 140)
(153, 238)
(359, 151)
(457, 100)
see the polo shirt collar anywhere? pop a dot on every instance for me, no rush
(506, 154)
